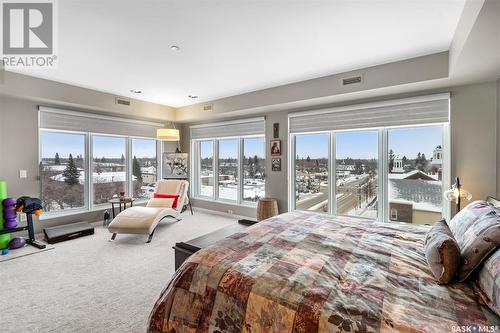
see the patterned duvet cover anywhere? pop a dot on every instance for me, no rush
(308, 272)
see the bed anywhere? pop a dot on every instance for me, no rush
(309, 272)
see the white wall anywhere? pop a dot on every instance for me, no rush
(474, 138)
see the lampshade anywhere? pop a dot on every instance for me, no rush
(167, 134)
(457, 192)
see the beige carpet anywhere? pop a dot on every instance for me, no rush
(92, 285)
(27, 250)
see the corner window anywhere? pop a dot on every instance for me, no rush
(235, 165)
(389, 174)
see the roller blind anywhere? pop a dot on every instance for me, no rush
(58, 119)
(252, 126)
(410, 111)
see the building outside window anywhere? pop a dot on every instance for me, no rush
(228, 169)
(254, 169)
(311, 172)
(415, 186)
(356, 173)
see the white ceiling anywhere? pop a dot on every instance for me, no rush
(232, 47)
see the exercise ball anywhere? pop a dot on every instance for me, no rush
(17, 243)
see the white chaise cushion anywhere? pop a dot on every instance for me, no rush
(139, 220)
(160, 202)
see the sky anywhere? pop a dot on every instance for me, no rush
(403, 141)
(110, 147)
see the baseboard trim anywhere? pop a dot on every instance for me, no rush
(218, 212)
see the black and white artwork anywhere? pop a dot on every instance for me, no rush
(276, 164)
(175, 165)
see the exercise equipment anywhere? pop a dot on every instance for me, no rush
(26, 205)
(66, 232)
(17, 243)
(29, 206)
(4, 236)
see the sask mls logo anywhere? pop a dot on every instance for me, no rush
(28, 34)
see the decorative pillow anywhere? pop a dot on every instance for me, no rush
(160, 202)
(442, 252)
(488, 282)
(168, 196)
(476, 229)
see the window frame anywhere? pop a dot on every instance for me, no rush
(196, 168)
(89, 164)
(159, 160)
(382, 167)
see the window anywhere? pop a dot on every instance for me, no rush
(311, 172)
(415, 174)
(109, 176)
(144, 167)
(83, 170)
(206, 167)
(62, 171)
(387, 160)
(356, 173)
(253, 169)
(241, 158)
(228, 169)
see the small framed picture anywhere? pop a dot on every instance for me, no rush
(276, 130)
(275, 147)
(276, 164)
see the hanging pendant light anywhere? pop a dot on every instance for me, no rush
(167, 134)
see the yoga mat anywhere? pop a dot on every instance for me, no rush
(4, 239)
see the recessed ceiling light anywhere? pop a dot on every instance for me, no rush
(135, 91)
(175, 48)
(193, 96)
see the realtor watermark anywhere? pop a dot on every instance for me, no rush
(474, 328)
(29, 34)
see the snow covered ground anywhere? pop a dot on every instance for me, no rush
(252, 190)
(101, 178)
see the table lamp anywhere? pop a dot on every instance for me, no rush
(456, 193)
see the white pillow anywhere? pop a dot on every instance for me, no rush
(160, 202)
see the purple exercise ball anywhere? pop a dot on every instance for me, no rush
(16, 243)
(9, 202)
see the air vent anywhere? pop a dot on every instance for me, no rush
(122, 101)
(208, 107)
(352, 80)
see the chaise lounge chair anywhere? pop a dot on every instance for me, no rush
(168, 200)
